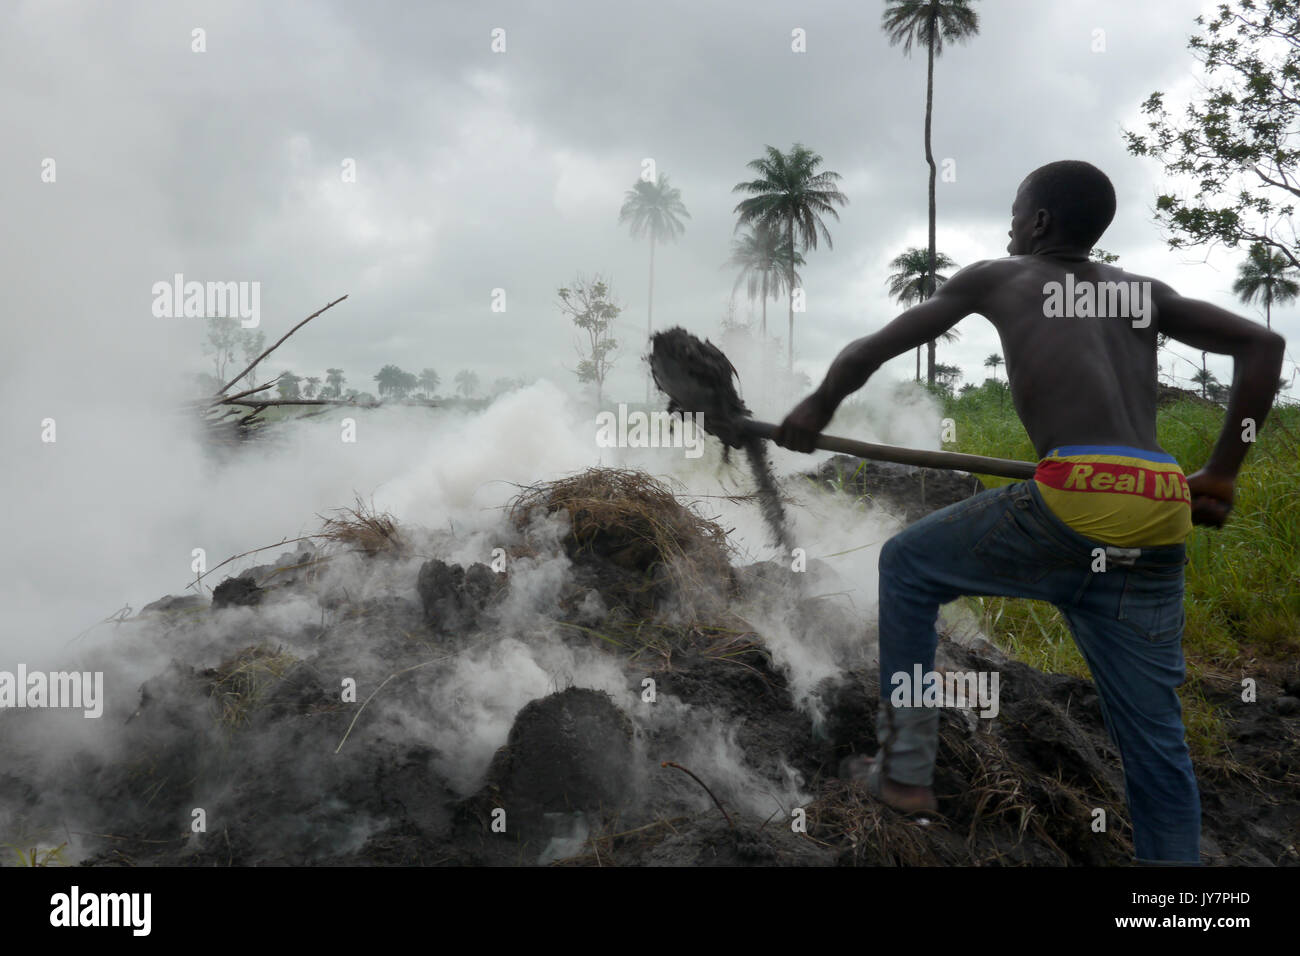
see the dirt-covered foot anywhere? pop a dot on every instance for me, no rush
(905, 797)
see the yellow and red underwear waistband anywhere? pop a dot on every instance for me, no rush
(1114, 469)
(1117, 494)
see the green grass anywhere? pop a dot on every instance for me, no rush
(1243, 580)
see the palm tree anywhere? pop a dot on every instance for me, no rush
(653, 209)
(1263, 276)
(791, 196)
(429, 381)
(993, 361)
(908, 285)
(932, 23)
(334, 381)
(1205, 379)
(765, 269)
(467, 383)
(312, 382)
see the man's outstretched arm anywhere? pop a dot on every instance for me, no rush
(1257, 356)
(954, 300)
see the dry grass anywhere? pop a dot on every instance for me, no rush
(995, 812)
(636, 521)
(610, 848)
(239, 684)
(363, 528)
(871, 834)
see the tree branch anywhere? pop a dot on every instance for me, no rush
(252, 364)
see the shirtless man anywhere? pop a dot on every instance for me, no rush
(1081, 361)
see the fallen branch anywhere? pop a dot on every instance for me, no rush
(274, 402)
(253, 364)
(238, 395)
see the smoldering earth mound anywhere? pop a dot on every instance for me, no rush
(601, 688)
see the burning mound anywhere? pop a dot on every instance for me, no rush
(634, 522)
(373, 707)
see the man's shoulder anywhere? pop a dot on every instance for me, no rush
(982, 276)
(989, 267)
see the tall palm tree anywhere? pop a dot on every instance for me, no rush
(790, 195)
(1264, 276)
(993, 361)
(932, 23)
(908, 285)
(764, 263)
(654, 209)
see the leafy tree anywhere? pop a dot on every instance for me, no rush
(1101, 255)
(930, 23)
(909, 284)
(590, 304)
(313, 383)
(765, 266)
(653, 209)
(1266, 276)
(503, 385)
(791, 196)
(429, 381)
(393, 381)
(467, 383)
(253, 343)
(1236, 145)
(222, 341)
(288, 385)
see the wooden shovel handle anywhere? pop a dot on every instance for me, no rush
(978, 464)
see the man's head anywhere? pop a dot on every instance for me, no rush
(1063, 206)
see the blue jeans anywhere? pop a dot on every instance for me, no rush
(1127, 623)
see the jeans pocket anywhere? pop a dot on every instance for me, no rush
(1014, 553)
(1152, 604)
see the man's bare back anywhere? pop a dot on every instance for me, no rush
(1075, 379)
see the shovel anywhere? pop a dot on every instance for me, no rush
(1003, 467)
(698, 378)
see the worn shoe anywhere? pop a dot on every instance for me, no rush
(906, 798)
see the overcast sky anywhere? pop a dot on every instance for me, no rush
(477, 170)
